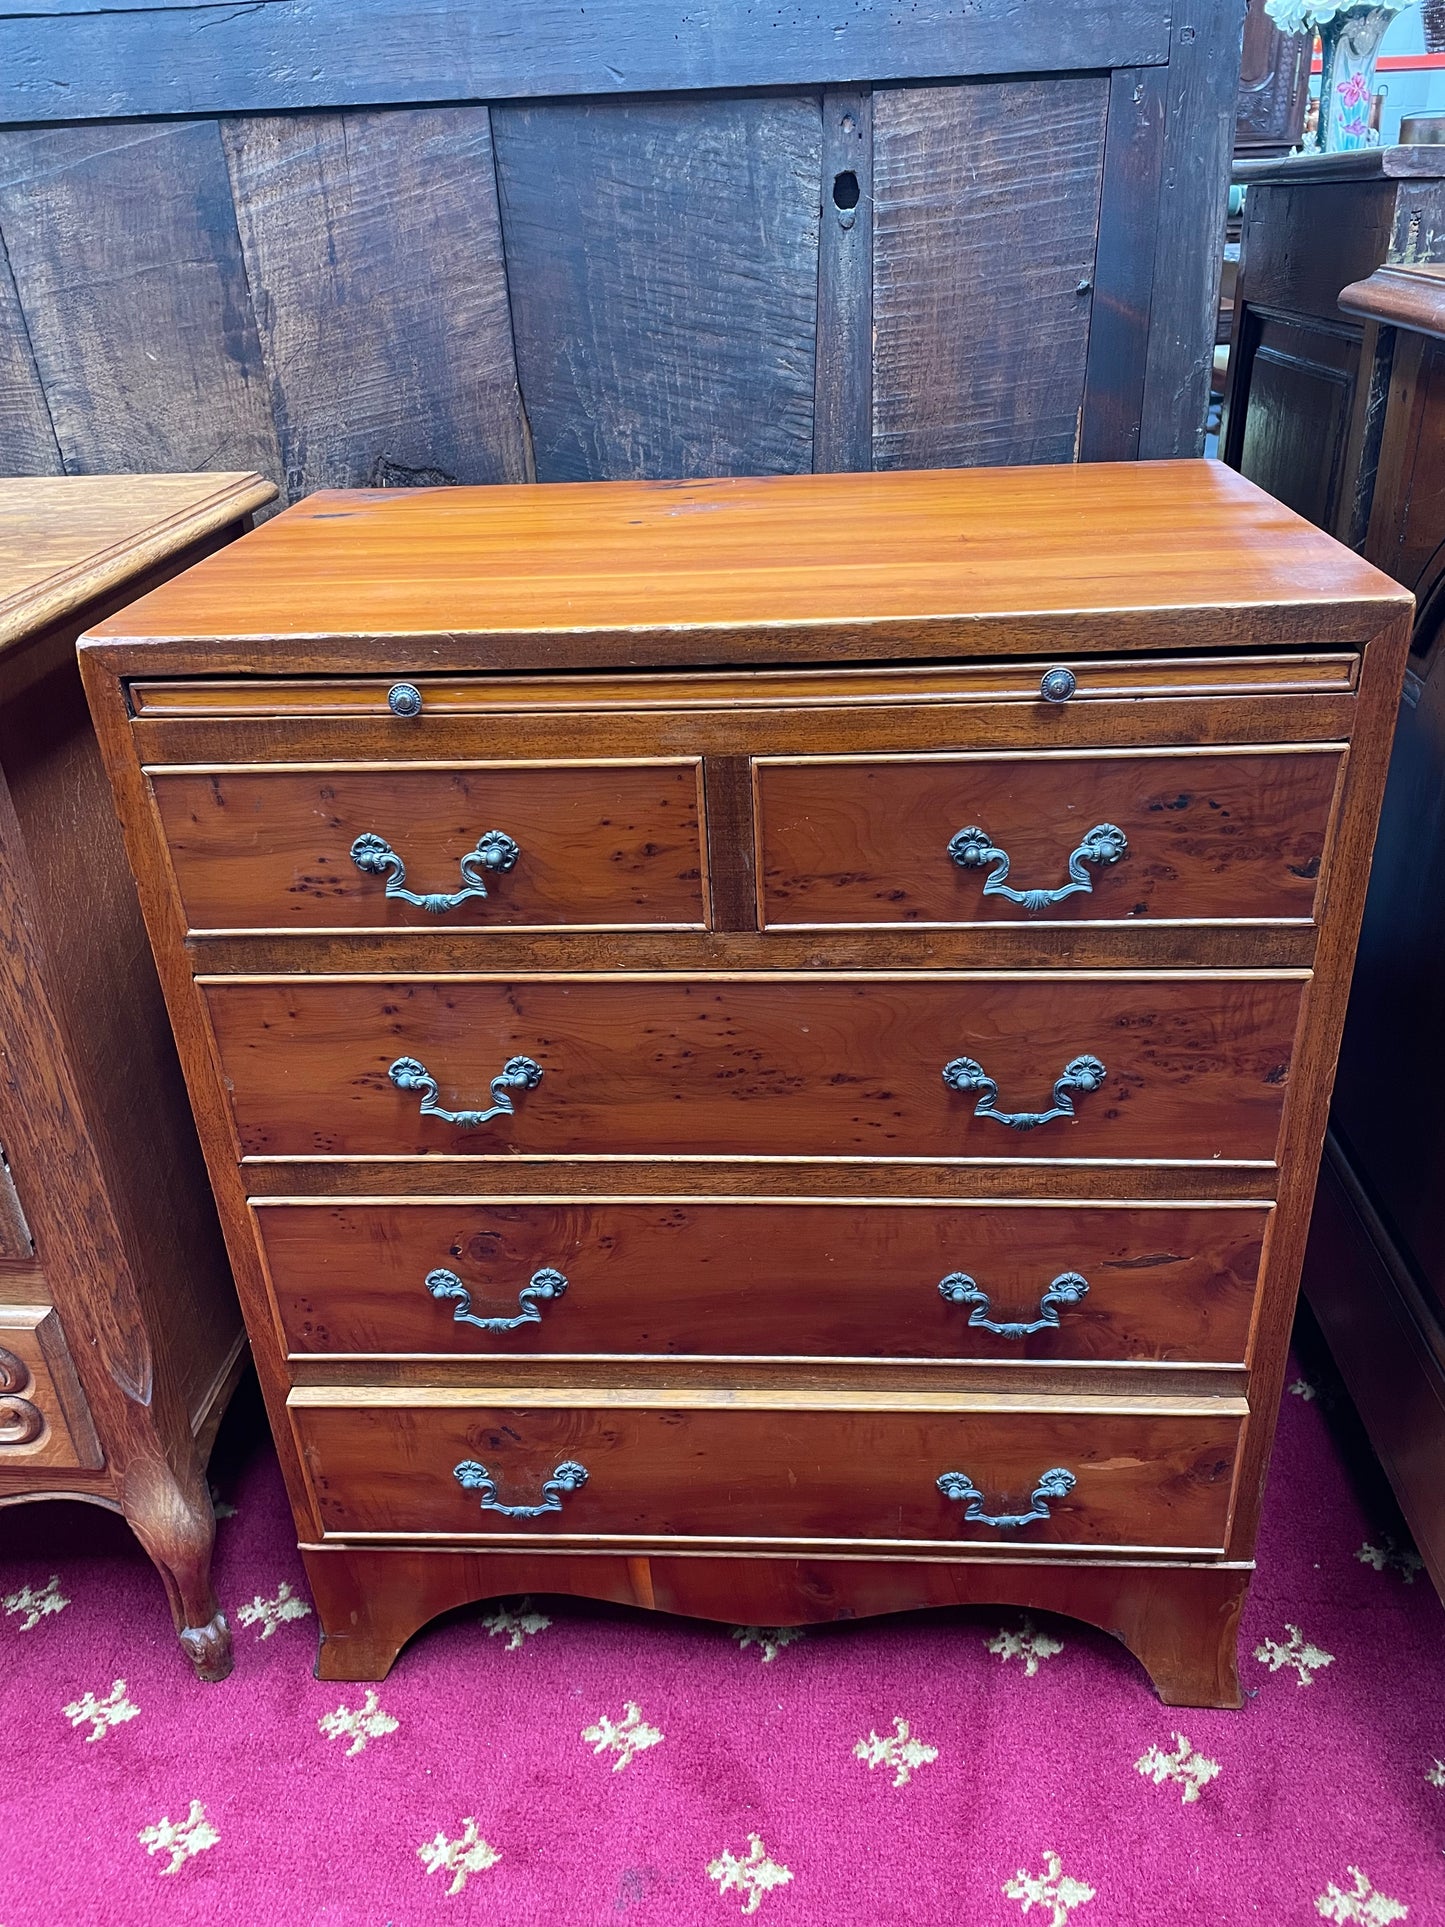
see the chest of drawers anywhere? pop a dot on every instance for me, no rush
(763, 1046)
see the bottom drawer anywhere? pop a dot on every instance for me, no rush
(689, 1465)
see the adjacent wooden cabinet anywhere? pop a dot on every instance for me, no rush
(763, 1046)
(374, 245)
(1306, 398)
(120, 1337)
(1376, 1268)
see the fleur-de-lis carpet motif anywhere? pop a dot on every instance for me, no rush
(34, 1603)
(516, 1627)
(461, 1858)
(1026, 1644)
(358, 1724)
(181, 1839)
(1191, 1772)
(960, 1767)
(102, 1714)
(752, 1874)
(268, 1614)
(897, 1750)
(1360, 1906)
(1297, 1652)
(1388, 1557)
(770, 1640)
(630, 1736)
(1054, 1892)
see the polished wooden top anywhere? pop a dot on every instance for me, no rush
(65, 539)
(777, 554)
(1401, 297)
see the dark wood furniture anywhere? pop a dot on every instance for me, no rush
(618, 1051)
(120, 1336)
(653, 239)
(1303, 410)
(1274, 87)
(1375, 1271)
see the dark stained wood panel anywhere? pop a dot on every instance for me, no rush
(273, 54)
(663, 264)
(986, 207)
(124, 249)
(27, 438)
(374, 257)
(1196, 1067)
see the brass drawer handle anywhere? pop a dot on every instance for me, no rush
(1057, 1484)
(1081, 1074)
(517, 1074)
(569, 1476)
(972, 849)
(959, 1289)
(544, 1284)
(495, 851)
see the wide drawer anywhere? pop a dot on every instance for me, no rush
(1164, 836)
(460, 1464)
(931, 1065)
(795, 1278)
(393, 846)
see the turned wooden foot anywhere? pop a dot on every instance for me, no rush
(175, 1522)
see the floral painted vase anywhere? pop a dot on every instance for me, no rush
(1349, 44)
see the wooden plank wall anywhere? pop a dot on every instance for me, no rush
(381, 246)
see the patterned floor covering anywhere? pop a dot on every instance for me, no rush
(547, 1762)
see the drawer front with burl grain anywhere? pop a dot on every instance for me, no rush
(540, 845)
(1216, 836)
(497, 1278)
(1163, 1067)
(461, 1465)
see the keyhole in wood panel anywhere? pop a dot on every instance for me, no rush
(845, 190)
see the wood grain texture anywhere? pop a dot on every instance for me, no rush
(32, 1339)
(990, 369)
(1123, 294)
(65, 541)
(26, 432)
(275, 55)
(124, 250)
(374, 260)
(599, 844)
(1179, 1621)
(843, 375)
(1159, 1482)
(766, 1066)
(850, 840)
(733, 1280)
(755, 563)
(1204, 57)
(663, 264)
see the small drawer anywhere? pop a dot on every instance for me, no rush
(45, 1423)
(458, 1465)
(932, 1065)
(1218, 836)
(429, 846)
(787, 1278)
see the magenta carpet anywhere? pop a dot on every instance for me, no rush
(549, 1762)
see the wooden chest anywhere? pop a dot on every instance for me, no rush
(763, 1046)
